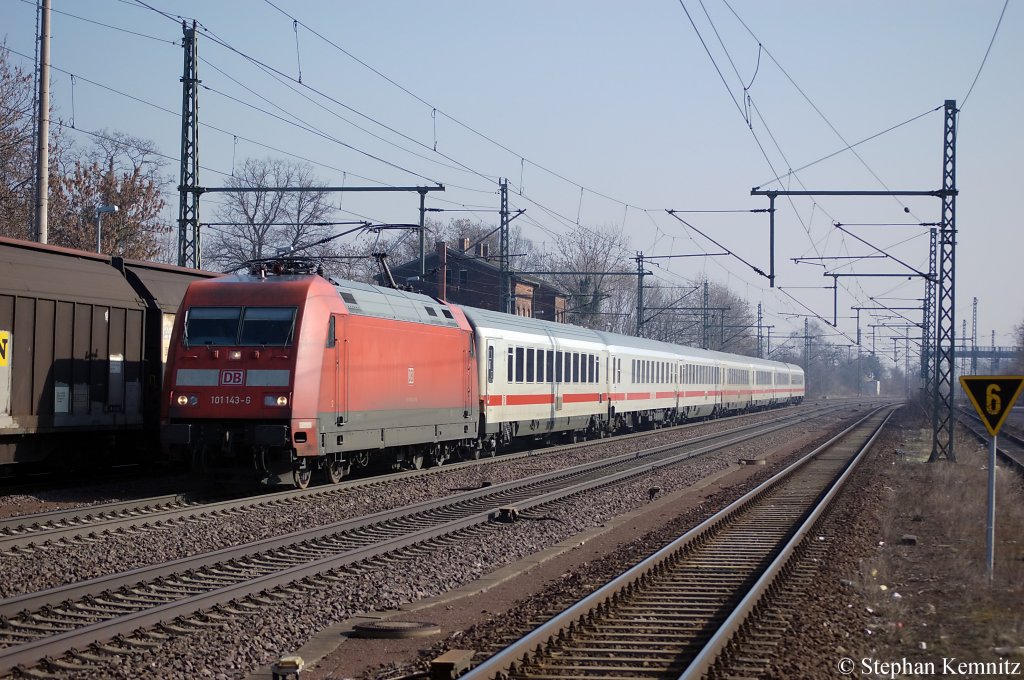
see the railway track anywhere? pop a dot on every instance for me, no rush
(59, 528)
(1009, 446)
(49, 624)
(672, 614)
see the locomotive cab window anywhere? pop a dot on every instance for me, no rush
(253, 326)
(212, 325)
(267, 326)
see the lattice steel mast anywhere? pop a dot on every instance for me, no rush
(945, 301)
(189, 246)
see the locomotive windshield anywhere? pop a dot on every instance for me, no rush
(267, 326)
(253, 326)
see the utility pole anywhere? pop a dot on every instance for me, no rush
(43, 132)
(995, 358)
(705, 319)
(963, 334)
(860, 369)
(943, 416)
(760, 334)
(928, 331)
(974, 339)
(423, 235)
(906, 364)
(504, 287)
(640, 309)
(807, 351)
(943, 394)
(190, 252)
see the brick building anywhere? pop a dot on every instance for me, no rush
(472, 278)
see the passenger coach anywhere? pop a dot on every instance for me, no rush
(292, 374)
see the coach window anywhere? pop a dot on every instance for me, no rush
(511, 363)
(520, 362)
(558, 367)
(549, 364)
(490, 362)
(597, 370)
(575, 367)
(540, 366)
(529, 365)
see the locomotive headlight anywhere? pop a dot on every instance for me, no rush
(274, 400)
(182, 400)
(235, 355)
(187, 400)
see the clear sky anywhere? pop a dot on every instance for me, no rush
(605, 113)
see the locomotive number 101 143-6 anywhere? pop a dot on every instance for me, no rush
(229, 400)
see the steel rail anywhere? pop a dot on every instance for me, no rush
(31, 651)
(718, 642)
(17, 604)
(1009, 446)
(563, 625)
(41, 530)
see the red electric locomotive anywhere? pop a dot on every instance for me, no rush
(299, 374)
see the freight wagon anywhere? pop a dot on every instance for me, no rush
(83, 340)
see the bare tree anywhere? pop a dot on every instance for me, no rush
(17, 148)
(594, 296)
(262, 224)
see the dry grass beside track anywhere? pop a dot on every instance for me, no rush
(945, 606)
(904, 579)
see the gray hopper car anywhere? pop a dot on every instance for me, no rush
(83, 341)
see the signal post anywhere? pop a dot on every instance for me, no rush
(993, 397)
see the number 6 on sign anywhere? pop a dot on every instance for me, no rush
(993, 404)
(991, 391)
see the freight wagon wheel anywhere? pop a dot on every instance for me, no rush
(302, 477)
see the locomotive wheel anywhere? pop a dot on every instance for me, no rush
(334, 468)
(415, 461)
(302, 477)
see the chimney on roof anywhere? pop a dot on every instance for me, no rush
(483, 250)
(442, 269)
(463, 244)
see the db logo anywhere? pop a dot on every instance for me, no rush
(232, 377)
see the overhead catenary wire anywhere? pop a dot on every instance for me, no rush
(583, 190)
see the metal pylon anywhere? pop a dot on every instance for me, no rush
(189, 246)
(928, 330)
(945, 308)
